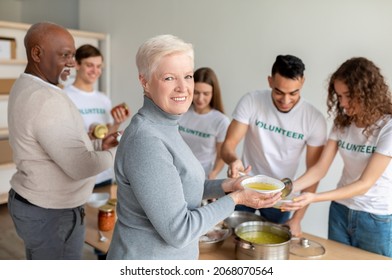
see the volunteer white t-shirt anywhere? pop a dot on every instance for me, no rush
(274, 141)
(201, 132)
(356, 150)
(95, 108)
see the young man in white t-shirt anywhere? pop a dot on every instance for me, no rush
(94, 106)
(277, 125)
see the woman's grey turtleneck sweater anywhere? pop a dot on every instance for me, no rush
(160, 188)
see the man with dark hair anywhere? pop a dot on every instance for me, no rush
(276, 125)
(94, 106)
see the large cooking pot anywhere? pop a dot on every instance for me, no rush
(257, 240)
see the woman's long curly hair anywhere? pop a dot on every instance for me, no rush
(367, 88)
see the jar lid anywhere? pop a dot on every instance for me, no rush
(106, 208)
(100, 131)
(112, 201)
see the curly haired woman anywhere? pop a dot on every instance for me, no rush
(360, 213)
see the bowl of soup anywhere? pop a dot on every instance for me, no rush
(263, 184)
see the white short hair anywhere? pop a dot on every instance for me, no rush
(152, 51)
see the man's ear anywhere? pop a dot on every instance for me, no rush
(36, 53)
(303, 80)
(270, 81)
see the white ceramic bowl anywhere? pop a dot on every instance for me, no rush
(98, 199)
(263, 184)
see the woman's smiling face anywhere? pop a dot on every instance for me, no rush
(350, 107)
(171, 85)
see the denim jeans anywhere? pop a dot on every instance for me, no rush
(360, 229)
(272, 215)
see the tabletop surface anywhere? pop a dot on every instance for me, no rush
(333, 250)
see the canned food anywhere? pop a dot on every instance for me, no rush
(106, 217)
(99, 130)
(123, 105)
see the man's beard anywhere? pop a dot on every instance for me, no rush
(63, 78)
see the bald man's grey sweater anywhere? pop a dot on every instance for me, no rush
(160, 188)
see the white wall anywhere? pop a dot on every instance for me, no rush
(59, 11)
(240, 40)
(62, 12)
(10, 10)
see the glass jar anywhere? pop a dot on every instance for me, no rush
(106, 217)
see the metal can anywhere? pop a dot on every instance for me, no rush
(106, 217)
(123, 105)
(99, 130)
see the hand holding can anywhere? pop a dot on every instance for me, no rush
(98, 130)
(120, 112)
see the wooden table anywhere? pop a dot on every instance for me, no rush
(334, 250)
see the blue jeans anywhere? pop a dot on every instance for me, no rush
(272, 215)
(360, 229)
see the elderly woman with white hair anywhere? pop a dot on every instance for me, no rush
(160, 182)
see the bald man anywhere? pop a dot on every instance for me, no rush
(55, 159)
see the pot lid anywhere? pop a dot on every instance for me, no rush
(306, 248)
